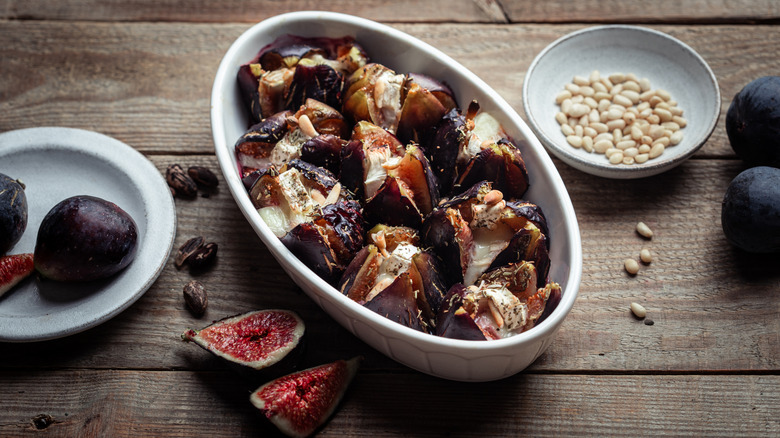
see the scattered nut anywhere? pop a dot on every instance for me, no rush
(203, 256)
(180, 182)
(644, 230)
(638, 310)
(645, 255)
(187, 250)
(195, 297)
(203, 177)
(632, 267)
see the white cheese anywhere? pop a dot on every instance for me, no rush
(486, 245)
(378, 160)
(289, 147)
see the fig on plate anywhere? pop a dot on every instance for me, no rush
(13, 269)
(85, 238)
(753, 122)
(750, 213)
(257, 339)
(299, 403)
(480, 231)
(13, 212)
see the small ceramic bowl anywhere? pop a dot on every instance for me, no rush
(668, 63)
(447, 358)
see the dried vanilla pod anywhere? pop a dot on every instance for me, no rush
(203, 177)
(182, 184)
(186, 250)
(195, 297)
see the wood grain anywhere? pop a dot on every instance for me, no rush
(117, 403)
(149, 84)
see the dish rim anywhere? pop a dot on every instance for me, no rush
(606, 169)
(226, 71)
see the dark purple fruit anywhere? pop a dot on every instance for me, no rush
(253, 149)
(301, 402)
(753, 122)
(324, 151)
(453, 321)
(750, 213)
(257, 339)
(85, 238)
(13, 212)
(313, 80)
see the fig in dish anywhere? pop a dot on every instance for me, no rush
(453, 249)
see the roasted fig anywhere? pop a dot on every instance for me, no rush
(262, 90)
(364, 160)
(324, 151)
(479, 231)
(503, 303)
(299, 403)
(373, 93)
(750, 213)
(257, 339)
(753, 122)
(253, 149)
(443, 148)
(324, 119)
(13, 269)
(425, 102)
(85, 238)
(13, 212)
(314, 80)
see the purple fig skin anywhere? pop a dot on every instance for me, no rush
(249, 85)
(398, 303)
(253, 149)
(85, 238)
(431, 273)
(307, 242)
(454, 322)
(442, 150)
(13, 212)
(438, 233)
(392, 207)
(502, 165)
(319, 82)
(325, 151)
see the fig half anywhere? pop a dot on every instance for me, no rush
(257, 339)
(299, 403)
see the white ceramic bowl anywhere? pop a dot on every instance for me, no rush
(667, 62)
(447, 358)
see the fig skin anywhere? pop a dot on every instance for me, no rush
(13, 212)
(753, 122)
(750, 213)
(85, 238)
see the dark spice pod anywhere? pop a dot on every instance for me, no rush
(180, 182)
(186, 250)
(203, 257)
(195, 297)
(203, 177)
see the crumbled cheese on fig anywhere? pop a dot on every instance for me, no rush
(297, 207)
(486, 131)
(289, 147)
(513, 312)
(395, 264)
(387, 99)
(486, 244)
(378, 161)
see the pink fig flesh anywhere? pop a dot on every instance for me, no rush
(13, 269)
(255, 339)
(300, 402)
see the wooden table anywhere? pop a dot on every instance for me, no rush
(142, 71)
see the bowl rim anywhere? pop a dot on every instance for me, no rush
(606, 169)
(226, 71)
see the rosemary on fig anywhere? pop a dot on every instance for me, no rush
(187, 250)
(195, 297)
(181, 183)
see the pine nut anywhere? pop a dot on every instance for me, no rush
(580, 80)
(663, 140)
(663, 94)
(602, 95)
(567, 130)
(646, 139)
(629, 117)
(599, 127)
(645, 255)
(656, 131)
(563, 95)
(578, 98)
(616, 90)
(561, 118)
(631, 95)
(574, 141)
(626, 102)
(656, 150)
(644, 84)
(603, 136)
(578, 110)
(631, 77)
(653, 119)
(644, 230)
(636, 133)
(616, 158)
(676, 138)
(632, 267)
(573, 88)
(630, 152)
(636, 308)
(617, 78)
(671, 126)
(590, 132)
(587, 144)
(680, 121)
(628, 160)
(614, 114)
(591, 102)
(602, 146)
(647, 95)
(599, 87)
(655, 100)
(644, 149)
(641, 158)
(611, 151)
(617, 136)
(587, 91)
(665, 115)
(594, 116)
(578, 130)
(616, 124)
(594, 76)
(625, 144)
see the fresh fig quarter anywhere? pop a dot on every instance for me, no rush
(301, 402)
(255, 339)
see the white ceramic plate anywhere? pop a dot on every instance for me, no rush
(667, 62)
(54, 164)
(448, 358)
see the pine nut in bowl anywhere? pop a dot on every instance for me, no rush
(656, 91)
(455, 359)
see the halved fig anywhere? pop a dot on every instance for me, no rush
(263, 90)
(299, 403)
(425, 102)
(392, 236)
(365, 158)
(324, 151)
(314, 80)
(407, 194)
(373, 93)
(443, 148)
(500, 163)
(324, 118)
(253, 149)
(479, 231)
(502, 303)
(453, 321)
(257, 339)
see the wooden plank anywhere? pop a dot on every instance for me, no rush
(714, 308)
(252, 11)
(659, 11)
(147, 84)
(187, 404)
(523, 11)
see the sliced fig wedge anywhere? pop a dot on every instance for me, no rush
(453, 321)
(299, 403)
(257, 339)
(13, 269)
